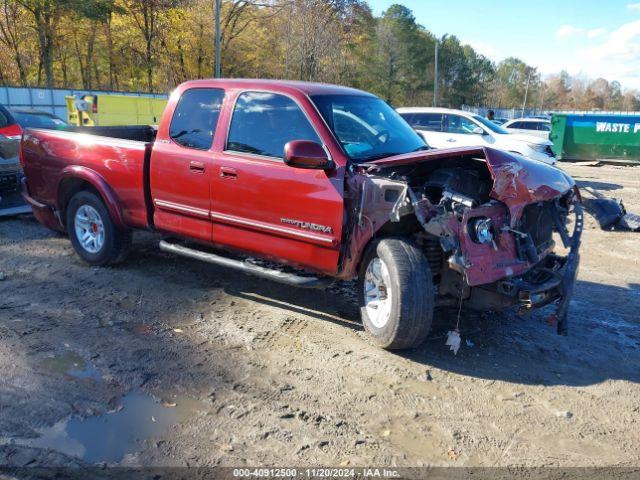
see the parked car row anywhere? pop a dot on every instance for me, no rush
(531, 126)
(445, 128)
(14, 120)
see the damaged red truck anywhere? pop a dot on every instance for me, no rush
(327, 179)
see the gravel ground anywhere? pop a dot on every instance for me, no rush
(239, 371)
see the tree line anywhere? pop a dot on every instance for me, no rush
(153, 45)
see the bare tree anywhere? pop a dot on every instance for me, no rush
(46, 17)
(314, 36)
(238, 15)
(147, 15)
(11, 34)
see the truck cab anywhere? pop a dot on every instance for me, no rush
(230, 184)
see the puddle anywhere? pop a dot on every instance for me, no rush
(70, 363)
(109, 437)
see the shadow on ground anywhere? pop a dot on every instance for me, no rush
(602, 345)
(596, 185)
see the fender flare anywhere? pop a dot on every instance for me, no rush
(100, 184)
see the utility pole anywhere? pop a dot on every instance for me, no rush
(218, 73)
(526, 92)
(435, 78)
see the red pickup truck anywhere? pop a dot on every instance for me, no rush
(326, 179)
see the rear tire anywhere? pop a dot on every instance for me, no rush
(396, 293)
(94, 236)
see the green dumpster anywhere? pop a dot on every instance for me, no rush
(596, 136)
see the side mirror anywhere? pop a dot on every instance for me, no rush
(306, 154)
(478, 131)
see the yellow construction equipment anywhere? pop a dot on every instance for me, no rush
(106, 109)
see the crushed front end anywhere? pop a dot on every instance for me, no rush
(487, 221)
(493, 265)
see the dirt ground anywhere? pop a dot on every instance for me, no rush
(181, 363)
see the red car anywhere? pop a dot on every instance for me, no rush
(8, 125)
(324, 178)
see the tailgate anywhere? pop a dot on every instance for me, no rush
(51, 159)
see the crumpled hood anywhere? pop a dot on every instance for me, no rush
(517, 181)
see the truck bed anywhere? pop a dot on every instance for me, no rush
(55, 161)
(138, 133)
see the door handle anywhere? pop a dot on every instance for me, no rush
(196, 167)
(451, 139)
(228, 172)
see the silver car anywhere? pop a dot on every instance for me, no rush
(531, 126)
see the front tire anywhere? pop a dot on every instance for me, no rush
(94, 236)
(396, 293)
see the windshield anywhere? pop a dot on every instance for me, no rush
(490, 125)
(367, 128)
(39, 120)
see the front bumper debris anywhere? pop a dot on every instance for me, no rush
(552, 280)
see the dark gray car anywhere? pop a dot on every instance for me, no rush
(11, 202)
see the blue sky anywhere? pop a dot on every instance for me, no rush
(597, 38)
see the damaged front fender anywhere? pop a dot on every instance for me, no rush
(438, 198)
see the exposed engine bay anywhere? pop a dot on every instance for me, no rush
(487, 243)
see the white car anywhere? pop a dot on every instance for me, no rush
(445, 128)
(531, 126)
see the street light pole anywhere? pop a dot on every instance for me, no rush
(435, 78)
(526, 92)
(218, 73)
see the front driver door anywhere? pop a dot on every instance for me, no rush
(260, 204)
(459, 132)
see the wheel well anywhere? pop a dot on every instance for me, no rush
(67, 189)
(409, 227)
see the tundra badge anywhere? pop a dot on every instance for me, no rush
(307, 225)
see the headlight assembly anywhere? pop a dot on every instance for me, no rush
(481, 230)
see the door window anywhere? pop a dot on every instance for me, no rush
(4, 121)
(460, 125)
(263, 123)
(196, 116)
(428, 121)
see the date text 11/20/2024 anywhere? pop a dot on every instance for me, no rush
(315, 473)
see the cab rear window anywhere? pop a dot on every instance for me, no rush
(196, 116)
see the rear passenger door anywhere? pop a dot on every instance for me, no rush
(260, 204)
(182, 165)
